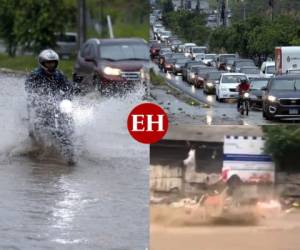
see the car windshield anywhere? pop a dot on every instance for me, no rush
(182, 60)
(166, 33)
(66, 38)
(214, 75)
(170, 61)
(270, 69)
(233, 78)
(165, 50)
(176, 42)
(226, 57)
(229, 61)
(195, 69)
(258, 84)
(250, 70)
(129, 51)
(209, 57)
(244, 63)
(204, 71)
(286, 84)
(178, 56)
(198, 50)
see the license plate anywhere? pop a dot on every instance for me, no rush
(293, 111)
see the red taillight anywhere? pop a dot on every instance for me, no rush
(225, 174)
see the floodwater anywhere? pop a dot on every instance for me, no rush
(101, 203)
(178, 230)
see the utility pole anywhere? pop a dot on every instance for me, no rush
(223, 12)
(271, 4)
(81, 26)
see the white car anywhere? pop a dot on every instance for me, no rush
(187, 47)
(227, 86)
(194, 51)
(267, 69)
(164, 35)
(209, 59)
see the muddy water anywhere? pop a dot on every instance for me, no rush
(101, 203)
(172, 228)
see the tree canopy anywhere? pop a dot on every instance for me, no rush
(283, 143)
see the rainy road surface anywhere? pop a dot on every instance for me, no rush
(214, 113)
(101, 203)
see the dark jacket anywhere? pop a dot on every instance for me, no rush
(39, 83)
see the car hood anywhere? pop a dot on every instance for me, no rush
(128, 65)
(285, 93)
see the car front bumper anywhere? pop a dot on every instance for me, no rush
(279, 111)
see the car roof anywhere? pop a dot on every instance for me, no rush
(288, 76)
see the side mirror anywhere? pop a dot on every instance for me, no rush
(264, 88)
(264, 72)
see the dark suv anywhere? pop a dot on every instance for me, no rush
(112, 64)
(281, 97)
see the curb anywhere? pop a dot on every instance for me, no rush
(13, 72)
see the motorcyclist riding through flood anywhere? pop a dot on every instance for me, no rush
(49, 96)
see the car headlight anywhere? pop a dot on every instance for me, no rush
(112, 71)
(66, 106)
(192, 75)
(271, 98)
(177, 66)
(144, 74)
(228, 68)
(246, 95)
(209, 84)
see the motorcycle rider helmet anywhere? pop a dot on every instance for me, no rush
(48, 59)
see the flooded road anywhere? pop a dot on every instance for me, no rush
(101, 203)
(276, 233)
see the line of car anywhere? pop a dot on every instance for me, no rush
(219, 74)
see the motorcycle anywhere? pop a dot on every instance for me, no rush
(245, 103)
(51, 126)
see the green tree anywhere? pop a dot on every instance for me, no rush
(7, 23)
(283, 143)
(167, 6)
(36, 23)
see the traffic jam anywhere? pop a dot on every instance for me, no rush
(228, 85)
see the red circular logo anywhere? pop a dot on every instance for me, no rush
(147, 123)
